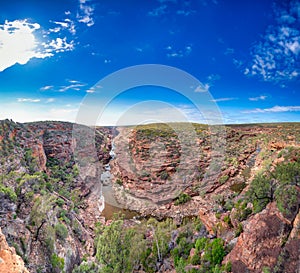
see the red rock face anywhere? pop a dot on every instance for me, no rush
(261, 242)
(39, 153)
(10, 262)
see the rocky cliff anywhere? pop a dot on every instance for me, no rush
(10, 262)
(48, 210)
(50, 188)
(147, 164)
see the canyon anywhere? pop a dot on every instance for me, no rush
(51, 190)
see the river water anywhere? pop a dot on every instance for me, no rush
(111, 205)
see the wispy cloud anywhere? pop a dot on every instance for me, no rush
(212, 78)
(261, 97)
(202, 88)
(31, 100)
(185, 12)
(223, 99)
(66, 24)
(85, 13)
(276, 57)
(274, 109)
(178, 53)
(46, 87)
(72, 85)
(28, 100)
(229, 51)
(161, 10)
(50, 100)
(182, 8)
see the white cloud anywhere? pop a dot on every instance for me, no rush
(59, 45)
(28, 100)
(202, 88)
(276, 57)
(229, 51)
(18, 43)
(161, 10)
(62, 24)
(50, 100)
(261, 97)
(213, 78)
(91, 90)
(67, 24)
(73, 85)
(85, 14)
(179, 53)
(56, 29)
(223, 99)
(274, 109)
(47, 87)
(185, 12)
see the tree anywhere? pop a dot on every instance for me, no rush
(119, 249)
(261, 191)
(288, 173)
(287, 200)
(214, 252)
(161, 237)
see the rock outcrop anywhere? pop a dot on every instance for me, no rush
(262, 242)
(10, 262)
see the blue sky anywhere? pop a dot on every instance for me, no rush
(245, 53)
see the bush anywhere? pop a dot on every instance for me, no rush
(214, 252)
(9, 192)
(61, 231)
(57, 262)
(287, 200)
(261, 192)
(164, 175)
(60, 202)
(223, 179)
(87, 267)
(182, 198)
(119, 182)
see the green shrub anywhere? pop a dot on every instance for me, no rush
(9, 192)
(182, 198)
(214, 251)
(57, 262)
(287, 200)
(164, 175)
(60, 202)
(119, 182)
(223, 179)
(61, 231)
(238, 230)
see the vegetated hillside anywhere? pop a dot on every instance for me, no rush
(47, 210)
(227, 199)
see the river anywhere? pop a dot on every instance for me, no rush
(111, 205)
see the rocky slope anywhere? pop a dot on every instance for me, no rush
(48, 210)
(147, 174)
(50, 187)
(10, 262)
